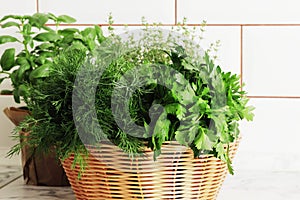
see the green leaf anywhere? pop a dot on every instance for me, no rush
(13, 77)
(40, 72)
(161, 128)
(6, 38)
(176, 109)
(47, 54)
(6, 92)
(180, 136)
(45, 46)
(205, 141)
(27, 29)
(21, 60)
(248, 113)
(23, 90)
(10, 17)
(47, 28)
(186, 132)
(66, 41)
(224, 156)
(10, 24)
(21, 71)
(52, 16)
(99, 33)
(221, 151)
(68, 31)
(47, 36)
(42, 59)
(91, 44)
(66, 19)
(27, 40)
(89, 32)
(38, 19)
(156, 153)
(16, 96)
(8, 59)
(78, 37)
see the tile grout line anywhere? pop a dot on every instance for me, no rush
(37, 6)
(171, 24)
(176, 12)
(241, 56)
(273, 97)
(10, 181)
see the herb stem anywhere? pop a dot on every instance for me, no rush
(4, 72)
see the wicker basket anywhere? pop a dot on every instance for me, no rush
(174, 175)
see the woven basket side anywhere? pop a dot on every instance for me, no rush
(176, 174)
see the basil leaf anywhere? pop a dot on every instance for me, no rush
(10, 24)
(7, 38)
(66, 19)
(16, 96)
(38, 20)
(22, 69)
(40, 72)
(8, 59)
(47, 36)
(10, 17)
(6, 92)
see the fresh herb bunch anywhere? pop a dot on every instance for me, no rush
(199, 106)
(51, 122)
(40, 43)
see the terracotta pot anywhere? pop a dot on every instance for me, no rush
(38, 168)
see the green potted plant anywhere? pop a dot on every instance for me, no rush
(39, 44)
(146, 115)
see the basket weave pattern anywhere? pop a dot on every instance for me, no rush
(176, 174)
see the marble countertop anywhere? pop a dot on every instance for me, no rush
(8, 174)
(18, 191)
(244, 185)
(261, 185)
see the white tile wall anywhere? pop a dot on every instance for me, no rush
(271, 141)
(17, 7)
(237, 11)
(97, 11)
(271, 60)
(229, 51)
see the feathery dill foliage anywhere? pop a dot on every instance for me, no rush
(201, 105)
(51, 122)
